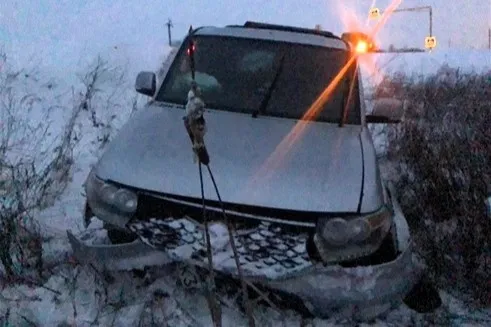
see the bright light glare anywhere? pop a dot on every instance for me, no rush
(361, 47)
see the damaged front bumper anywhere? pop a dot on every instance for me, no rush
(363, 291)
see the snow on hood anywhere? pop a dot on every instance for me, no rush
(323, 171)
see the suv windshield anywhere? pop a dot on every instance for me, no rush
(236, 74)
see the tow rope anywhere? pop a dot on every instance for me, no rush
(195, 125)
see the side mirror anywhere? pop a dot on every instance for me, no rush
(146, 83)
(387, 111)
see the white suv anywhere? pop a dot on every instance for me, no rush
(298, 175)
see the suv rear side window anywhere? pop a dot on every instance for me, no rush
(236, 74)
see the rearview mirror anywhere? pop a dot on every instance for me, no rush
(146, 83)
(386, 111)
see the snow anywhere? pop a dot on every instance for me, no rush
(219, 237)
(75, 294)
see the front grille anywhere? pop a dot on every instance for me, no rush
(265, 248)
(164, 203)
(153, 206)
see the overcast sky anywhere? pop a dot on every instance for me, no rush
(464, 22)
(60, 28)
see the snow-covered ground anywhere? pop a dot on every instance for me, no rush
(80, 296)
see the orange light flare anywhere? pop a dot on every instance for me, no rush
(366, 61)
(387, 13)
(361, 47)
(284, 147)
(369, 66)
(351, 22)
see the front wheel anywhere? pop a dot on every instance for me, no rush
(424, 296)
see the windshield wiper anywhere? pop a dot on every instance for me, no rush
(347, 97)
(269, 92)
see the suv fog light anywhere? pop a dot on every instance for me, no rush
(126, 200)
(336, 231)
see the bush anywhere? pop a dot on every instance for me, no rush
(42, 129)
(441, 154)
(35, 166)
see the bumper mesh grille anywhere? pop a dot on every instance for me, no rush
(264, 247)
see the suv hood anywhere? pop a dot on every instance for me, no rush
(322, 172)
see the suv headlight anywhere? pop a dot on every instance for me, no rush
(105, 198)
(339, 239)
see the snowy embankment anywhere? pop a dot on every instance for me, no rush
(81, 296)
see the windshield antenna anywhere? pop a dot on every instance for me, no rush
(190, 52)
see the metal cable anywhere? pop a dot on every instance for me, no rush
(215, 314)
(214, 308)
(231, 233)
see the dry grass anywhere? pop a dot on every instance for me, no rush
(442, 155)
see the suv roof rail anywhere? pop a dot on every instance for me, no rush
(267, 26)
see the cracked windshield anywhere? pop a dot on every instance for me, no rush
(262, 77)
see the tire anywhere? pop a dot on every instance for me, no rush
(423, 297)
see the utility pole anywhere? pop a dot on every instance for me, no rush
(169, 25)
(489, 38)
(431, 21)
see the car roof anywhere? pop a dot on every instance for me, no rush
(276, 33)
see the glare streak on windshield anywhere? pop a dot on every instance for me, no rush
(236, 74)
